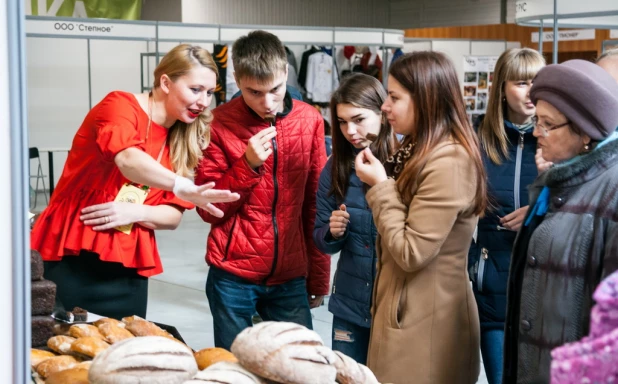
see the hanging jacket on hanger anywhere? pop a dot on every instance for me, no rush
(291, 59)
(321, 80)
(302, 72)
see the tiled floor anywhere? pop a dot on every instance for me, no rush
(177, 296)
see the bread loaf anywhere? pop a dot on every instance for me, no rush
(286, 353)
(69, 376)
(351, 372)
(149, 359)
(130, 319)
(89, 346)
(209, 356)
(114, 333)
(61, 344)
(85, 330)
(141, 327)
(55, 364)
(37, 356)
(225, 372)
(109, 320)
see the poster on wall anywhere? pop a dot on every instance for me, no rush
(107, 9)
(478, 75)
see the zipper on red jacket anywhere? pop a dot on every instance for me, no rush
(229, 239)
(274, 211)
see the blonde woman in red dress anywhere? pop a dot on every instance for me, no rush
(129, 173)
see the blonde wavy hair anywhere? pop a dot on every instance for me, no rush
(186, 141)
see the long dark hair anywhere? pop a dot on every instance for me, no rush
(361, 91)
(439, 113)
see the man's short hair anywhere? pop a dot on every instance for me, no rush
(259, 55)
(610, 52)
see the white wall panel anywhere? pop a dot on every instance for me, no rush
(487, 48)
(120, 71)
(57, 93)
(455, 50)
(413, 46)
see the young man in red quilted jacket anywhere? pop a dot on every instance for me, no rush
(270, 149)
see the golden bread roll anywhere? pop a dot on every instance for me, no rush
(38, 355)
(89, 346)
(148, 359)
(114, 333)
(85, 330)
(55, 364)
(109, 320)
(209, 356)
(140, 327)
(61, 344)
(69, 376)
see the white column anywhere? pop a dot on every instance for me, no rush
(14, 267)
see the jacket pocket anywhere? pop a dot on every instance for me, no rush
(231, 237)
(398, 304)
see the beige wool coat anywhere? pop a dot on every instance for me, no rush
(425, 326)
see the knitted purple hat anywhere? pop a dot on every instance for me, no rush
(584, 92)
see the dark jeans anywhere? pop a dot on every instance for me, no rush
(492, 348)
(100, 287)
(350, 339)
(233, 301)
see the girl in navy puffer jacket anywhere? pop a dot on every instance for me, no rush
(344, 222)
(505, 133)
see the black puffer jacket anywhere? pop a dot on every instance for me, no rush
(558, 260)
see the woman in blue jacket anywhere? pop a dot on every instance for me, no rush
(343, 221)
(505, 134)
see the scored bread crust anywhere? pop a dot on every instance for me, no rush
(225, 372)
(286, 353)
(148, 359)
(85, 330)
(55, 364)
(351, 372)
(89, 346)
(113, 333)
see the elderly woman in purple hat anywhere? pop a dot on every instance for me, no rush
(569, 240)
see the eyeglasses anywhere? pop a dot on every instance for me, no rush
(545, 130)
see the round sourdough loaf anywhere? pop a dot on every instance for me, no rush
(351, 372)
(148, 359)
(225, 372)
(286, 353)
(209, 356)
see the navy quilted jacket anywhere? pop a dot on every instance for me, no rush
(489, 257)
(266, 236)
(353, 284)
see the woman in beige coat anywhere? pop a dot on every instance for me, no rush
(425, 204)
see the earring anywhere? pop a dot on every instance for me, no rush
(586, 147)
